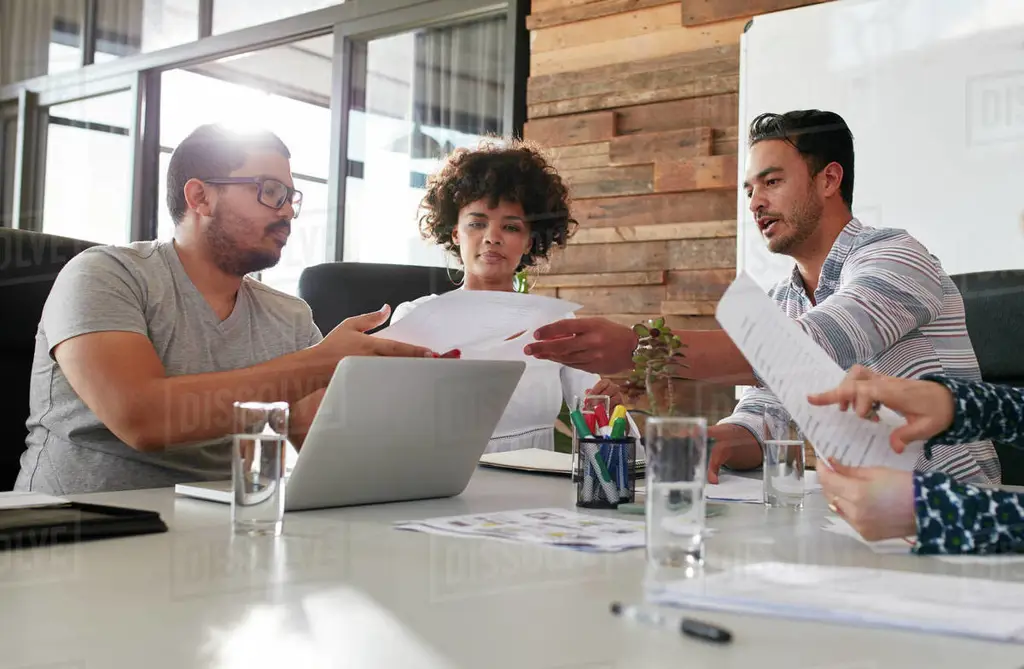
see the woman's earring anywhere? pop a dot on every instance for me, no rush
(448, 271)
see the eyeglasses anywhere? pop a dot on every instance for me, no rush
(269, 192)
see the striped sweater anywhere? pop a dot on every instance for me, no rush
(884, 302)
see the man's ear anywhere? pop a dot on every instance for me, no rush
(198, 197)
(832, 177)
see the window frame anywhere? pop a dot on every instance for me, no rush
(349, 23)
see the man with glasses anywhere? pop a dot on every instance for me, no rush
(142, 349)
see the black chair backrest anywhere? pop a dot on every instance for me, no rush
(994, 304)
(29, 262)
(337, 290)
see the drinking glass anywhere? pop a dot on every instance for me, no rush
(784, 448)
(676, 476)
(257, 467)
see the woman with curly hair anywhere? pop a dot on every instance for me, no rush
(498, 209)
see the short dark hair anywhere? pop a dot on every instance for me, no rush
(821, 137)
(210, 151)
(514, 171)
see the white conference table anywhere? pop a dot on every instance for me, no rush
(342, 588)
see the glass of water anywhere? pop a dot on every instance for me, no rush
(784, 452)
(257, 467)
(676, 465)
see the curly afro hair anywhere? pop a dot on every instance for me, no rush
(514, 171)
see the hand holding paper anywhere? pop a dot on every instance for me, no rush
(475, 321)
(793, 367)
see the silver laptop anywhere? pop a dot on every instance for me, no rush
(393, 429)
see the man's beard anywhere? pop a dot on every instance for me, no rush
(228, 255)
(802, 222)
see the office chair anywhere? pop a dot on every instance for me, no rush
(994, 304)
(338, 290)
(29, 262)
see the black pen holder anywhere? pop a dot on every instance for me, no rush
(604, 472)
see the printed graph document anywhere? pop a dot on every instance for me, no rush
(549, 527)
(478, 320)
(793, 366)
(940, 604)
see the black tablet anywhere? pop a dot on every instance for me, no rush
(36, 526)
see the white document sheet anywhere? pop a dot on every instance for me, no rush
(23, 500)
(475, 320)
(793, 366)
(941, 604)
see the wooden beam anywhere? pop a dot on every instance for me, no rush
(701, 254)
(578, 129)
(701, 285)
(629, 299)
(726, 141)
(593, 280)
(698, 88)
(652, 45)
(701, 12)
(605, 181)
(603, 258)
(688, 308)
(542, 17)
(691, 322)
(546, 292)
(645, 16)
(551, 5)
(672, 320)
(579, 156)
(695, 174)
(716, 111)
(644, 233)
(658, 209)
(608, 79)
(655, 146)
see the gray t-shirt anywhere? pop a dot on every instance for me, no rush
(143, 288)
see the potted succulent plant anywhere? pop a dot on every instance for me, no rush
(657, 362)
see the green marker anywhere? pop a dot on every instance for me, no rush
(581, 424)
(619, 428)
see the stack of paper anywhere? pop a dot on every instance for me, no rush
(23, 500)
(733, 488)
(550, 527)
(941, 604)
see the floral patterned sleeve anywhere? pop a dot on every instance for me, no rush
(981, 411)
(963, 518)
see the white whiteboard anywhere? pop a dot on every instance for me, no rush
(933, 91)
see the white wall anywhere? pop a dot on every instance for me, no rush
(933, 91)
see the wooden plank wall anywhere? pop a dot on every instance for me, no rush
(638, 102)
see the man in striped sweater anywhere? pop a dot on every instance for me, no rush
(876, 297)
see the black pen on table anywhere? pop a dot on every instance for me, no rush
(688, 626)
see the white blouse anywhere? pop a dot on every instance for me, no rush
(529, 418)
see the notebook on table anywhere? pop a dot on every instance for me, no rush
(535, 460)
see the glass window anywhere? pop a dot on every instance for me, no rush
(8, 141)
(126, 27)
(285, 89)
(231, 15)
(417, 96)
(39, 37)
(87, 187)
